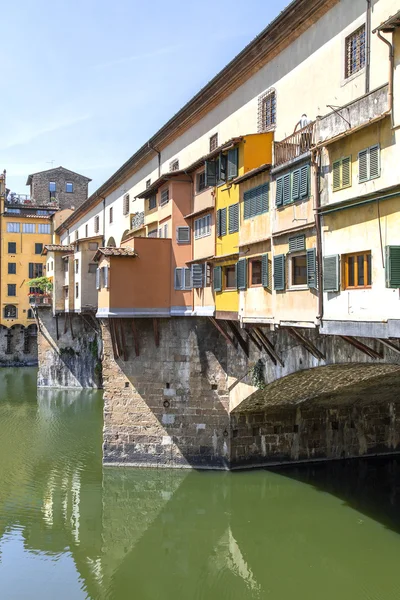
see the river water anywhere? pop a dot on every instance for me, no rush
(70, 529)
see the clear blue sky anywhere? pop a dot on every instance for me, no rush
(86, 82)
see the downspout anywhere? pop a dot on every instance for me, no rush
(318, 227)
(159, 157)
(368, 48)
(391, 73)
(104, 221)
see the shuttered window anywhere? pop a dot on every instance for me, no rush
(222, 168)
(264, 271)
(152, 202)
(341, 173)
(233, 218)
(105, 276)
(369, 164)
(96, 224)
(126, 204)
(221, 222)
(297, 243)
(256, 201)
(241, 274)
(331, 273)
(217, 279)
(233, 162)
(183, 235)
(211, 173)
(293, 186)
(97, 279)
(279, 272)
(393, 266)
(198, 276)
(164, 198)
(312, 268)
(183, 278)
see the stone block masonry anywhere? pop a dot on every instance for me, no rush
(71, 359)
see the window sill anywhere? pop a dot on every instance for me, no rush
(200, 237)
(294, 203)
(297, 288)
(230, 290)
(255, 285)
(351, 78)
(359, 287)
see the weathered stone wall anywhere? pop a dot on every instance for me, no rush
(18, 346)
(40, 187)
(169, 405)
(72, 360)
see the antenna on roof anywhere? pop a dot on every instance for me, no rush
(51, 162)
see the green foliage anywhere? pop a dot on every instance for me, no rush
(44, 284)
(94, 348)
(257, 375)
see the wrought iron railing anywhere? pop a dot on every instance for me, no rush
(137, 220)
(295, 145)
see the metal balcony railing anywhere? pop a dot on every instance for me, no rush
(40, 299)
(137, 220)
(295, 145)
(24, 200)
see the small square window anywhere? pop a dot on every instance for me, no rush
(174, 165)
(52, 186)
(92, 267)
(230, 278)
(12, 268)
(12, 247)
(11, 289)
(38, 248)
(148, 183)
(69, 187)
(357, 270)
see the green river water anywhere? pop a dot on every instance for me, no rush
(70, 529)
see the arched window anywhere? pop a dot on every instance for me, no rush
(111, 243)
(10, 311)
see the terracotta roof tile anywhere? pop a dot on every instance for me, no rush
(114, 252)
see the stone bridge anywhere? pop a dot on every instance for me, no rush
(200, 393)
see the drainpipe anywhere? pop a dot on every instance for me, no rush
(391, 72)
(318, 227)
(104, 221)
(368, 48)
(159, 157)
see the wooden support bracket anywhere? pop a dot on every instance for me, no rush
(70, 326)
(113, 339)
(307, 344)
(390, 345)
(253, 338)
(57, 332)
(244, 344)
(135, 337)
(123, 342)
(156, 332)
(360, 346)
(268, 346)
(222, 332)
(66, 315)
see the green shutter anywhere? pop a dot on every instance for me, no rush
(336, 168)
(296, 185)
(233, 160)
(279, 272)
(223, 214)
(219, 222)
(222, 163)
(217, 279)
(286, 188)
(331, 273)
(264, 271)
(246, 201)
(211, 173)
(265, 198)
(393, 266)
(346, 171)
(374, 162)
(297, 243)
(30, 271)
(233, 218)
(363, 165)
(258, 194)
(312, 268)
(304, 181)
(241, 274)
(279, 192)
(197, 276)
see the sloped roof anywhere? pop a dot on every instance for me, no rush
(57, 248)
(114, 252)
(60, 168)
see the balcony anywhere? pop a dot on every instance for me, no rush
(137, 221)
(297, 144)
(40, 299)
(25, 201)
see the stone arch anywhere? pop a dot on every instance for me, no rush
(125, 235)
(111, 243)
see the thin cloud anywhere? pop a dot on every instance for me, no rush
(134, 57)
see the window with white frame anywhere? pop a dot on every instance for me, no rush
(44, 228)
(69, 187)
(369, 163)
(13, 227)
(202, 227)
(28, 228)
(201, 181)
(183, 278)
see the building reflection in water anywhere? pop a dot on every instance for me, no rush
(104, 533)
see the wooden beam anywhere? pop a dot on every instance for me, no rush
(264, 345)
(254, 339)
(135, 338)
(123, 342)
(307, 344)
(361, 346)
(113, 341)
(271, 349)
(156, 332)
(222, 332)
(66, 315)
(70, 326)
(242, 343)
(390, 345)
(57, 332)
